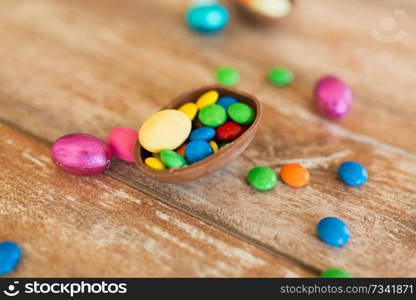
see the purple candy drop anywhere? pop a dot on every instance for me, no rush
(334, 97)
(81, 154)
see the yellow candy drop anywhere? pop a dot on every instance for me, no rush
(190, 109)
(206, 99)
(154, 163)
(272, 8)
(165, 130)
(214, 146)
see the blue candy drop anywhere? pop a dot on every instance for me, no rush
(197, 150)
(10, 254)
(202, 133)
(207, 18)
(226, 102)
(333, 231)
(352, 173)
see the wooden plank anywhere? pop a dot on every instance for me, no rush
(104, 64)
(380, 214)
(73, 226)
(117, 46)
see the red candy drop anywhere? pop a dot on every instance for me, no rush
(229, 131)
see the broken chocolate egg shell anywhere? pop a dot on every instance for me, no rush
(217, 160)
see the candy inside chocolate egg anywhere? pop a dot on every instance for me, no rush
(200, 149)
(267, 10)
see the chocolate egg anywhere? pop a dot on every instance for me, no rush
(212, 162)
(81, 154)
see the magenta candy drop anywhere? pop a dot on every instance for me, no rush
(81, 154)
(122, 141)
(334, 98)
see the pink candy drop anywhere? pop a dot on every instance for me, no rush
(122, 141)
(334, 98)
(81, 154)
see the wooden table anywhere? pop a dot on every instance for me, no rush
(88, 66)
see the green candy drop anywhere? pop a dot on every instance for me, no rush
(335, 273)
(262, 178)
(227, 76)
(213, 115)
(171, 159)
(241, 113)
(280, 76)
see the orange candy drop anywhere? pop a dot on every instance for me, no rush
(294, 175)
(181, 150)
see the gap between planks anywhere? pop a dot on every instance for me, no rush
(223, 227)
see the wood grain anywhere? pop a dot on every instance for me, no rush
(87, 66)
(96, 226)
(122, 40)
